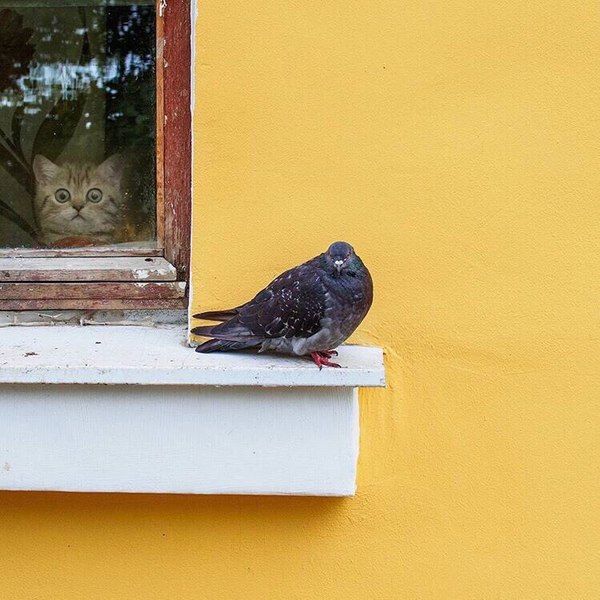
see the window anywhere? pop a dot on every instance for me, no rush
(93, 96)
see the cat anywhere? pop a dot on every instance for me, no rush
(80, 201)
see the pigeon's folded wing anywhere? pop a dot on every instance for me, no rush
(292, 305)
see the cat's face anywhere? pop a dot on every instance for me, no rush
(79, 200)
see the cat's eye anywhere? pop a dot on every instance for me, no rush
(62, 195)
(94, 195)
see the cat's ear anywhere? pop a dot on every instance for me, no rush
(112, 169)
(44, 169)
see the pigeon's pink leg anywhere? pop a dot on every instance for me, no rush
(328, 353)
(321, 359)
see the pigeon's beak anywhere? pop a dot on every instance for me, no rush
(338, 265)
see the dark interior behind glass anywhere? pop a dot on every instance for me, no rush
(77, 123)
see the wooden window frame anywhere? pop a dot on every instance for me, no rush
(114, 277)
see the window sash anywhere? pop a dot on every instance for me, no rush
(173, 203)
(69, 3)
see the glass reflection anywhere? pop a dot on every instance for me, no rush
(77, 123)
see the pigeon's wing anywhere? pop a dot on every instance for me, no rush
(292, 305)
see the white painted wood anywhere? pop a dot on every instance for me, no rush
(116, 268)
(299, 436)
(178, 439)
(154, 356)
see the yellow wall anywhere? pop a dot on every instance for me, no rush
(456, 144)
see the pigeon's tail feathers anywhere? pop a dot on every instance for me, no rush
(224, 346)
(205, 330)
(216, 315)
(229, 330)
(225, 340)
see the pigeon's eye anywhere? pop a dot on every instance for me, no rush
(94, 195)
(62, 195)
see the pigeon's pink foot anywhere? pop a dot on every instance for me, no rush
(321, 359)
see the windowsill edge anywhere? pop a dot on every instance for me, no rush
(117, 355)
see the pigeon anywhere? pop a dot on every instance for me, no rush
(308, 310)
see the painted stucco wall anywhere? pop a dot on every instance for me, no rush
(456, 144)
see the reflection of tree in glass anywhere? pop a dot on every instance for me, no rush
(131, 106)
(15, 54)
(15, 50)
(122, 68)
(55, 131)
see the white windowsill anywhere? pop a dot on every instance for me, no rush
(186, 423)
(161, 356)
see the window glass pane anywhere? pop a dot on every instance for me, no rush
(77, 123)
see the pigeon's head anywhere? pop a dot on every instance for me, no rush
(339, 256)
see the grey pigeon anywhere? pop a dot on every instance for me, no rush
(308, 310)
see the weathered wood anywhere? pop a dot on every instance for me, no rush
(165, 260)
(177, 135)
(86, 269)
(94, 291)
(117, 250)
(91, 304)
(160, 125)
